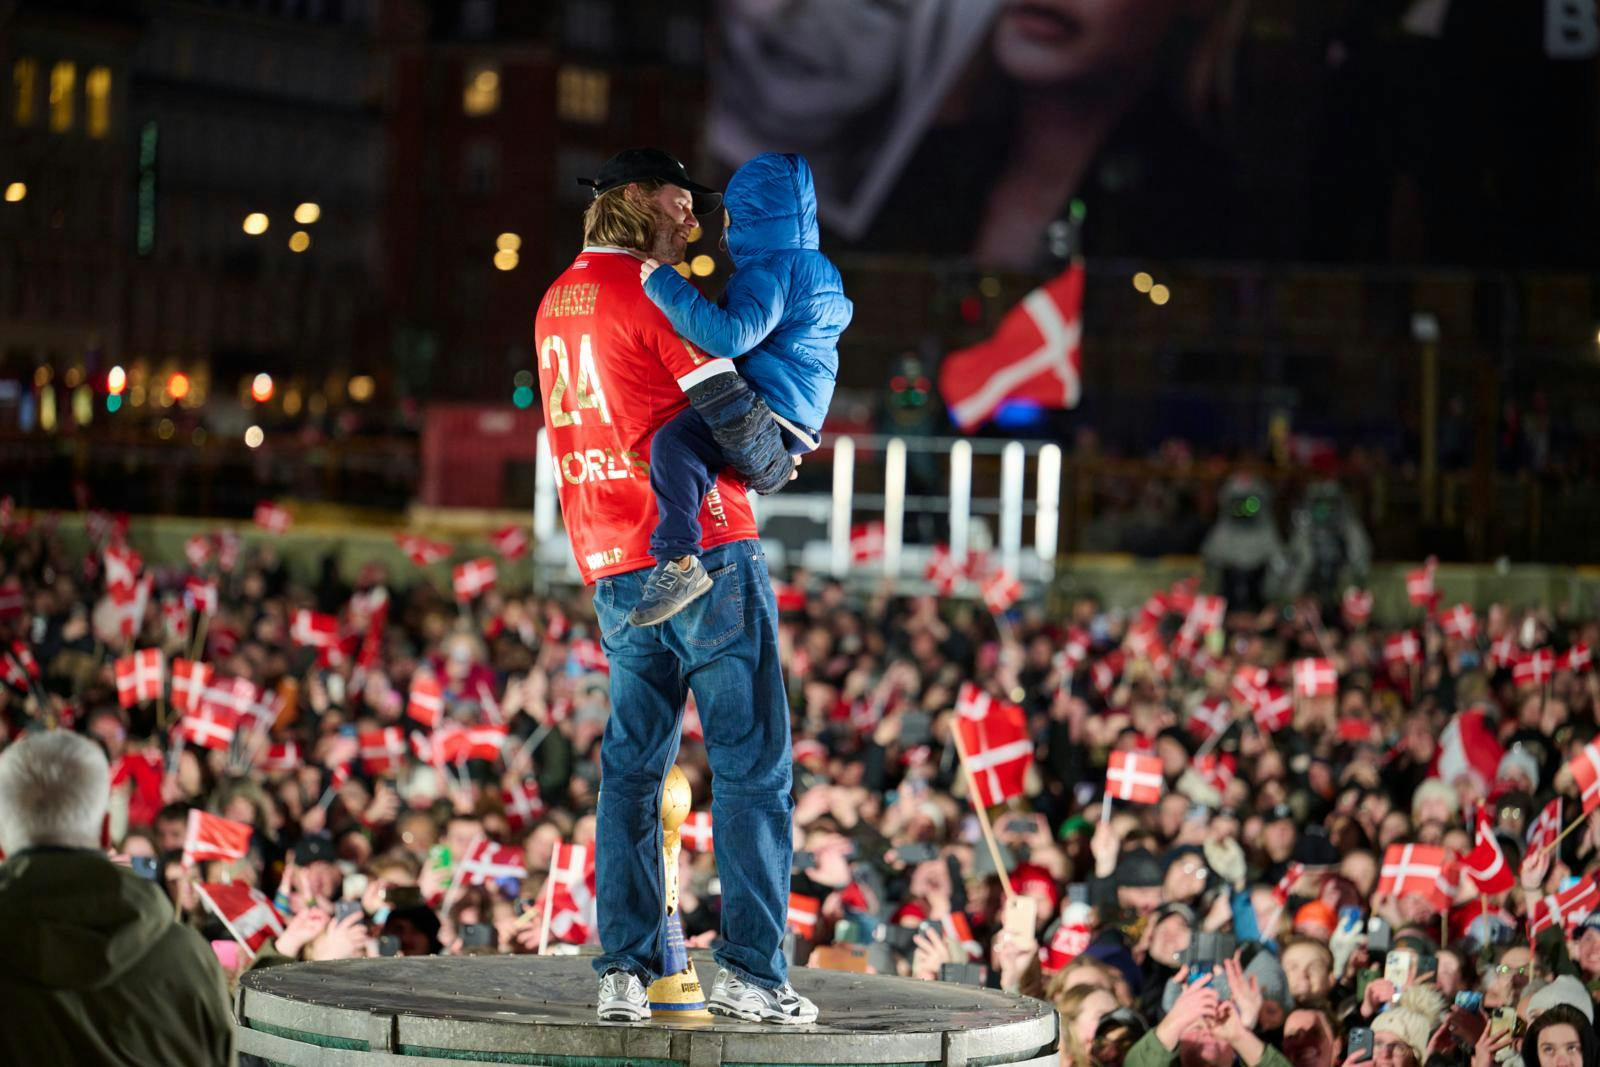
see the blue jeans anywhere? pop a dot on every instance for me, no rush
(685, 460)
(724, 647)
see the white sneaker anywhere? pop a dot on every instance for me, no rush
(733, 996)
(623, 998)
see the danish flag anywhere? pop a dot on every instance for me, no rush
(422, 551)
(382, 751)
(1576, 659)
(1315, 677)
(272, 518)
(246, 912)
(197, 550)
(695, 833)
(803, 913)
(210, 727)
(995, 737)
(235, 697)
(190, 679)
(1034, 355)
(1285, 886)
(1216, 771)
(1210, 717)
(475, 742)
(1356, 606)
(524, 806)
(1275, 710)
(427, 699)
(312, 629)
(122, 571)
(20, 666)
(866, 542)
(129, 612)
(176, 619)
(1206, 614)
(1414, 869)
(1486, 864)
(1502, 652)
(944, 570)
(211, 837)
(1402, 648)
(1249, 685)
(1104, 672)
(201, 595)
(510, 541)
(569, 865)
(1546, 828)
(474, 578)
(1566, 908)
(1459, 621)
(1075, 650)
(1000, 591)
(139, 677)
(488, 862)
(1419, 584)
(1585, 767)
(1134, 778)
(1534, 669)
(282, 756)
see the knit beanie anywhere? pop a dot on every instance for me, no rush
(1413, 1019)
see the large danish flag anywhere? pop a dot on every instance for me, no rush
(211, 837)
(139, 677)
(383, 751)
(190, 679)
(1585, 767)
(1315, 677)
(487, 862)
(995, 737)
(1486, 864)
(1546, 828)
(1459, 621)
(210, 727)
(246, 912)
(524, 806)
(235, 697)
(427, 699)
(1534, 669)
(569, 865)
(1134, 778)
(1414, 869)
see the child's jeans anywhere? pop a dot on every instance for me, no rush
(685, 460)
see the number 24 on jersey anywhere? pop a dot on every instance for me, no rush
(588, 394)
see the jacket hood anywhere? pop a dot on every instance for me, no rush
(773, 204)
(75, 920)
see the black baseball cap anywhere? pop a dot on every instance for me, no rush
(646, 164)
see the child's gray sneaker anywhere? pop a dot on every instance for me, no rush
(669, 590)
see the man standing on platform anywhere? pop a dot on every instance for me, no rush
(612, 372)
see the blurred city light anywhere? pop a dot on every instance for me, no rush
(178, 386)
(508, 242)
(165, 429)
(1142, 281)
(253, 437)
(255, 224)
(261, 388)
(16, 191)
(307, 213)
(702, 265)
(1160, 294)
(116, 380)
(361, 388)
(695, 234)
(113, 403)
(505, 259)
(522, 397)
(989, 286)
(299, 241)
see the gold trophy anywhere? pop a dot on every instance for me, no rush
(680, 993)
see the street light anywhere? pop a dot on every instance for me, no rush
(255, 224)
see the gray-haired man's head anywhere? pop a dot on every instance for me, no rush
(53, 791)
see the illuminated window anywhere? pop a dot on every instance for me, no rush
(63, 82)
(97, 86)
(582, 95)
(481, 93)
(24, 90)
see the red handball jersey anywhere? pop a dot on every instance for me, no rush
(612, 372)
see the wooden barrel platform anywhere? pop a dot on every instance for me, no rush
(448, 1010)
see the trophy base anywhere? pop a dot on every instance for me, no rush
(680, 995)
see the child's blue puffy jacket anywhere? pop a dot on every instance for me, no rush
(784, 308)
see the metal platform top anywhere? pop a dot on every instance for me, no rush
(540, 1010)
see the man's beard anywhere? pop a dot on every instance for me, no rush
(668, 240)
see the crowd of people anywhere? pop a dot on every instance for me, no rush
(1248, 908)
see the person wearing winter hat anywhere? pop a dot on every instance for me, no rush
(1562, 989)
(1435, 800)
(1400, 1035)
(1520, 768)
(1274, 983)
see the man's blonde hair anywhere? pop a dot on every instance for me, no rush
(615, 219)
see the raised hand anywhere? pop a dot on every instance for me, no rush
(647, 268)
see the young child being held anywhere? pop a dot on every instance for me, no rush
(780, 316)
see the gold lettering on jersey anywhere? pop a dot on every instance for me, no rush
(567, 300)
(719, 514)
(695, 354)
(610, 556)
(599, 464)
